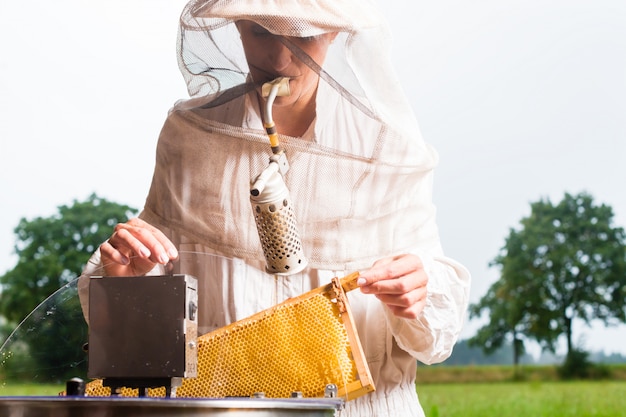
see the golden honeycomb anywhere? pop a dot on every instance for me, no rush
(300, 345)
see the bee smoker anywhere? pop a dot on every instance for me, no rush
(271, 205)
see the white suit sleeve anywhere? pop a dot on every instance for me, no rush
(431, 337)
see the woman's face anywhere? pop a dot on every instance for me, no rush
(269, 58)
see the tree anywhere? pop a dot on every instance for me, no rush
(51, 253)
(567, 262)
(514, 314)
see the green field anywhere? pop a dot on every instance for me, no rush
(482, 399)
(528, 399)
(13, 389)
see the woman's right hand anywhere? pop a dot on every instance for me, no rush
(134, 248)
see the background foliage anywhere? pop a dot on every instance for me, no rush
(566, 262)
(51, 253)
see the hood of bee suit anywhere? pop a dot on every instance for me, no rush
(211, 56)
(361, 171)
(299, 18)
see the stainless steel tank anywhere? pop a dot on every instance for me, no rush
(166, 407)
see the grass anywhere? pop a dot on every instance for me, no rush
(536, 399)
(10, 389)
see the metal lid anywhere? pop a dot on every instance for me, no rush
(157, 407)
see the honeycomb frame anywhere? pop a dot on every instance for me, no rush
(300, 345)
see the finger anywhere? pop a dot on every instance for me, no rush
(111, 254)
(390, 268)
(411, 312)
(400, 276)
(141, 242)
(119, 257)
(129, 242)
(142, 226)
(397, 286)
(148, 238)
(404, 300)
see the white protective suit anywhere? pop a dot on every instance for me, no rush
(360, 180)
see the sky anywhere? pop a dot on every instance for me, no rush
(524, 100)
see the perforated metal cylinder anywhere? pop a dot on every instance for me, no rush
(277, 227)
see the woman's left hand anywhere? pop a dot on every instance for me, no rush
(399, 282)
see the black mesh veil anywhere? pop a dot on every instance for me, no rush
(212, 60)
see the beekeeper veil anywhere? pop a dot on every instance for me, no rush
(360, 177)
(212, 59)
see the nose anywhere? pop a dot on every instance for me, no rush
(279, 56)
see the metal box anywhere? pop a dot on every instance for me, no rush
(143, 327)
